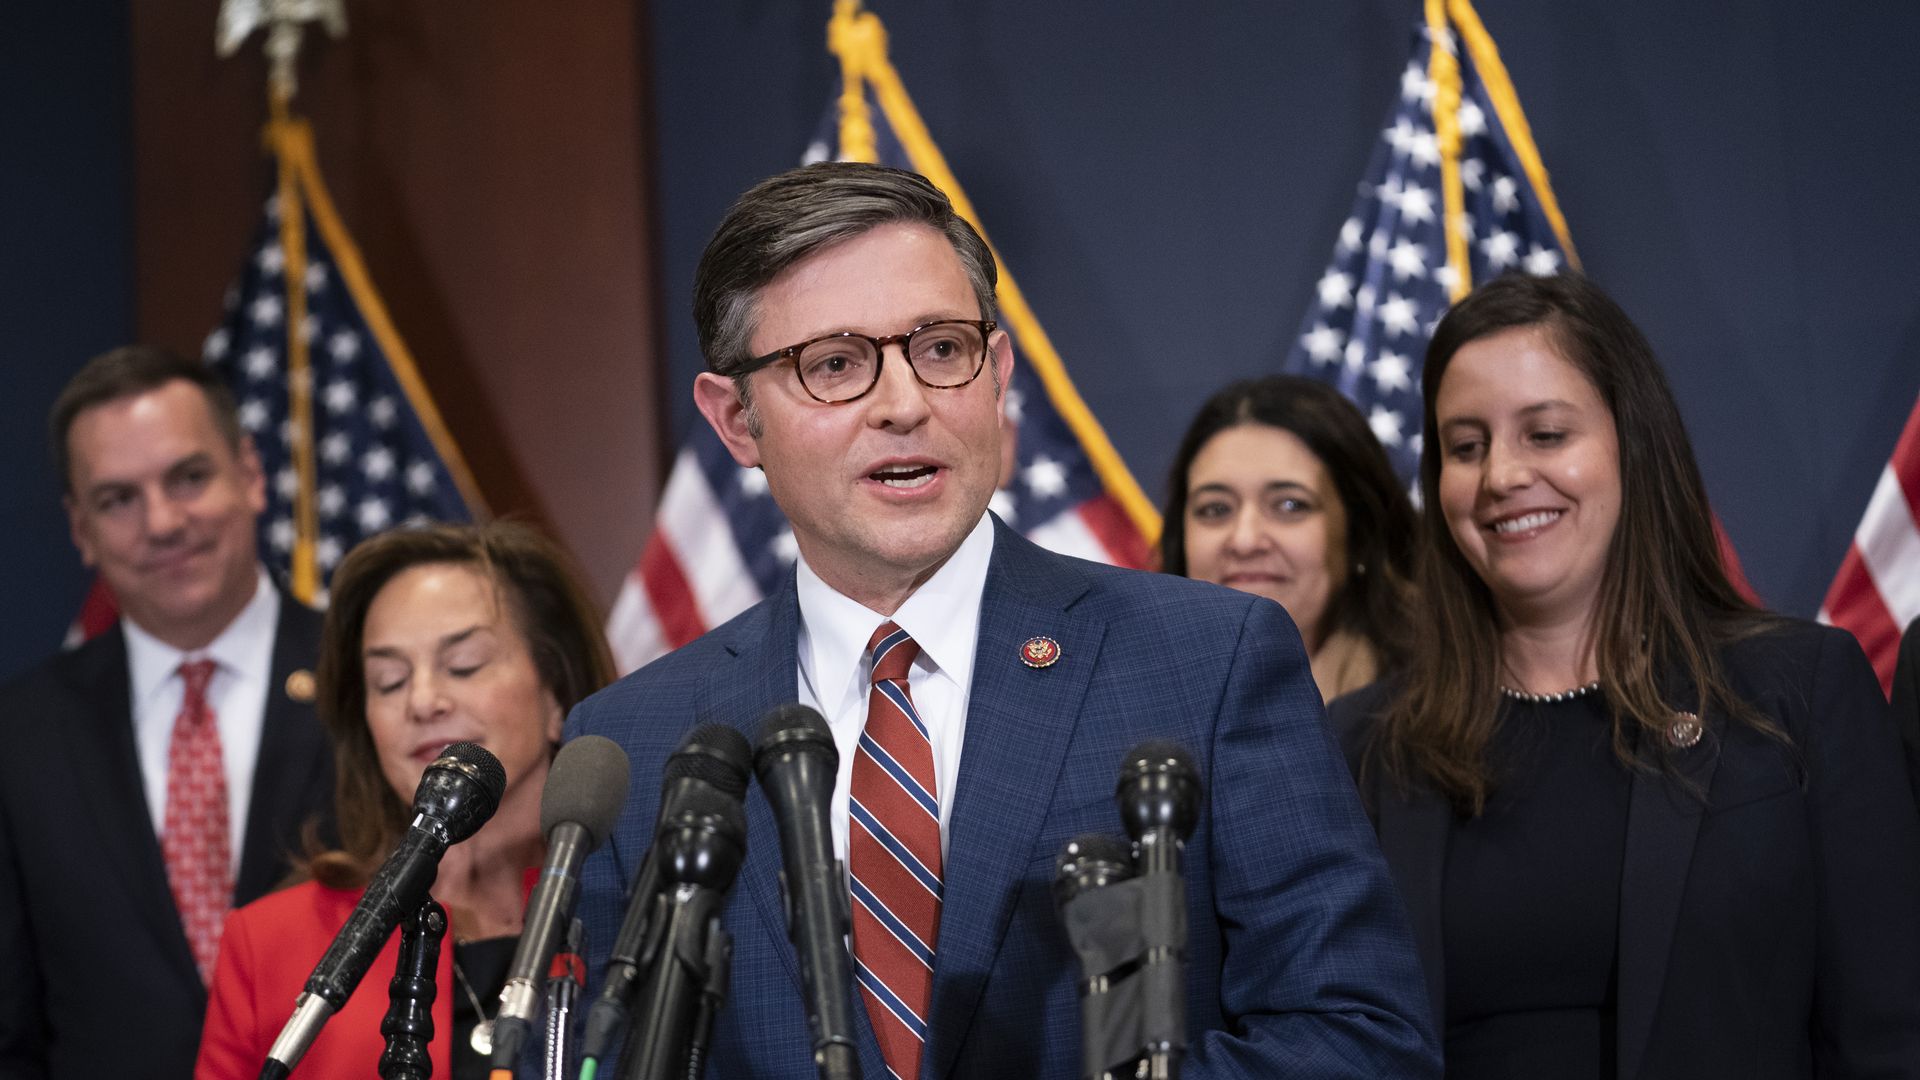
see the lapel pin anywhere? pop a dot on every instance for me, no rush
(300, 686)
(1040, 652)
(1685, 731)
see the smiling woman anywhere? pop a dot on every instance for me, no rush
(435, 635)
(1280, 489)
(1610, 789)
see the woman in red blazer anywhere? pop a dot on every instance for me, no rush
(434, 636)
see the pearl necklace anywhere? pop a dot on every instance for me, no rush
(1551, 699)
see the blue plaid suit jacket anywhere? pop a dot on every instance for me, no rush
(1300, 960)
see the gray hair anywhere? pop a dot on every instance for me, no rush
(785, 219)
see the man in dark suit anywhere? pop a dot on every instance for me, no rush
(162, 772)
(982, 693)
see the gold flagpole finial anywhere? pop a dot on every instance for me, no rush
(286, 23)
(858, 39)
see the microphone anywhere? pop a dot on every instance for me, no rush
(457, 794)
(701, 842)
(585, 787)
(797, 762)
(1159, 797)
(1103, 928)
(1088, 862)
(714, 757)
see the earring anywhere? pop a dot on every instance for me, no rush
(1359, 569)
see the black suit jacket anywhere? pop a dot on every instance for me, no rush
(1773, 932)
(96, 977)
(1906, 701)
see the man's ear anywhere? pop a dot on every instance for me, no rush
(253, 476)
(1000, 346)
(718, 401)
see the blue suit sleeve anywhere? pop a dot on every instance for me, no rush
(1319, 977)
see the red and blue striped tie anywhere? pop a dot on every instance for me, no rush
(893, 853)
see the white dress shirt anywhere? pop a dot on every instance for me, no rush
(943, 618)
(243, 664)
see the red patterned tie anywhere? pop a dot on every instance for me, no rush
(195, 841)
(894, 858)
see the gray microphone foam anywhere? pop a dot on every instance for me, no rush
(586, 785)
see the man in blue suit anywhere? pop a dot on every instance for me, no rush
(846, 313)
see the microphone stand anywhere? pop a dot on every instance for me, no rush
(408, 1024)
(680, 980)
(564, 980)
(713, 994)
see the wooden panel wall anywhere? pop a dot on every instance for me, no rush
(491, 160)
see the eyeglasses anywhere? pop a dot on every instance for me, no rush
(839, 368)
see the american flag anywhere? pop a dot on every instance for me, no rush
(1391, 279)
(1877, 592)
(379, 453)
(1392, 275)
(720, 544)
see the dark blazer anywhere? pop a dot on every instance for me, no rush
(1906, 701)
(1772, 933)
(99, 978)
(1299, 959)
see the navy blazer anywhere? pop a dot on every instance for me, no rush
(1773, 932)
(99, 978)
(1300, 963)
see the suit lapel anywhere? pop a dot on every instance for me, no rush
(764, 673)
(761, 675)
(293, 757)
(106, 765)
(1413, 837)
(1019, 722)
(1662, 823)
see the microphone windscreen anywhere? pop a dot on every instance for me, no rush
(460, 790)
(586, 785)
(714, 754)
(793, 727)
(1158, 756)
(479, 764)
(1090, 861)
(694, 804)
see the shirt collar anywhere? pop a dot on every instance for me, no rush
(942, 616)
(245, 645)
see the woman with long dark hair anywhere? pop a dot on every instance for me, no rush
(1279, 488)
(434, 635)
(1643, 829)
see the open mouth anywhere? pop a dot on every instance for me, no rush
(904, 476)
(1539, 519)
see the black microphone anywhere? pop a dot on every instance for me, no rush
(1088, 862)
(701, 844)
(797, 762)
(458, 793)
(714, 757)
(1159, 797)
(1103, 927)
(585, 787)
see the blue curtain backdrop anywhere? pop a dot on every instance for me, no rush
(1167, 182)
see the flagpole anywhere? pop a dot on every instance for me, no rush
(1443, 69)
(860, 41)
(300, 195)
(288, 137)
(1506, 103)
